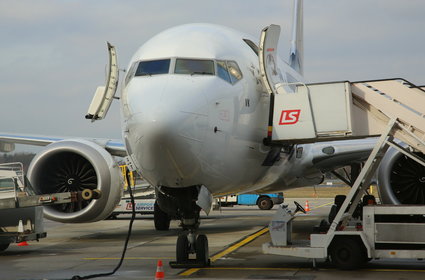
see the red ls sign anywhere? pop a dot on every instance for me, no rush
(289, 117)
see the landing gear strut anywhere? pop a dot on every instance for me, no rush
(189, 242)
(181, 204)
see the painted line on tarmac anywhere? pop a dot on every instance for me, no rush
(310, 269)
(326, 204)
(130, 258)
(259, 268)
(229, 250)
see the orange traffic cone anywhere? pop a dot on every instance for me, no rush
(159, 271)
(307, 207)
(23, 243)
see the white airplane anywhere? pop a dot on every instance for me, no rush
(195, 117)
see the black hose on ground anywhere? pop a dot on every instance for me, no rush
(130, 227)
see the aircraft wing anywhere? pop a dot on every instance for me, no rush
(114, 146)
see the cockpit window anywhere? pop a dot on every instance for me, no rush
(234, 71)
(222, 71)
(153, 67)
(130, 73)
(194, 66)
(228, 71)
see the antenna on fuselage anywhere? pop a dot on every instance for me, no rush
(296, 53)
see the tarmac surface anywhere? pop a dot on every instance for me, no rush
(235, 237)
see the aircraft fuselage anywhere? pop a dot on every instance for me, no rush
(196, 112)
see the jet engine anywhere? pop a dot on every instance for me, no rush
(401, 180)
(74, 165)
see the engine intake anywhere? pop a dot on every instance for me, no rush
(75, 165)
(401, 180)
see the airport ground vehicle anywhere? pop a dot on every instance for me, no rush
(263, 201)
(144, 201)
(21, 210)
(144, 195)
(361, 229)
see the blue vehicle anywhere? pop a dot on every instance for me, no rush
(263, 201)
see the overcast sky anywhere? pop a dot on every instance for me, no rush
(53, 53)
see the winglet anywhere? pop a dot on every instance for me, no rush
(296, 54)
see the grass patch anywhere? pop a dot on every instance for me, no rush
(321, 191)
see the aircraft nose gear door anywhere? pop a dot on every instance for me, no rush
(104, 95)
(290, 115)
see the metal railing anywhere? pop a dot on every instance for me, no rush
(11, 179)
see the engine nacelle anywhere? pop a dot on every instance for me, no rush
(74, 165)
(401, 180)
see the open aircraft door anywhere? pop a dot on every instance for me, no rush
(104, 95)
(301, 113)
(290, 114)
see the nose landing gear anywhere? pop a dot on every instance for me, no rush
(182, 204)
(188, 243)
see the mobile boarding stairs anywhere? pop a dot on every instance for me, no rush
(303, 113)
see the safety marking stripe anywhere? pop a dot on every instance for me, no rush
(228, 250)
(263, 268)
(309, 269)
(130, 258)
(326, 204)
(393, 270)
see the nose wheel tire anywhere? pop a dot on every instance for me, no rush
(182, 249)
(202, 254)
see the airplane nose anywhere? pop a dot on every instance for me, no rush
(155, 135)
(168, 134)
